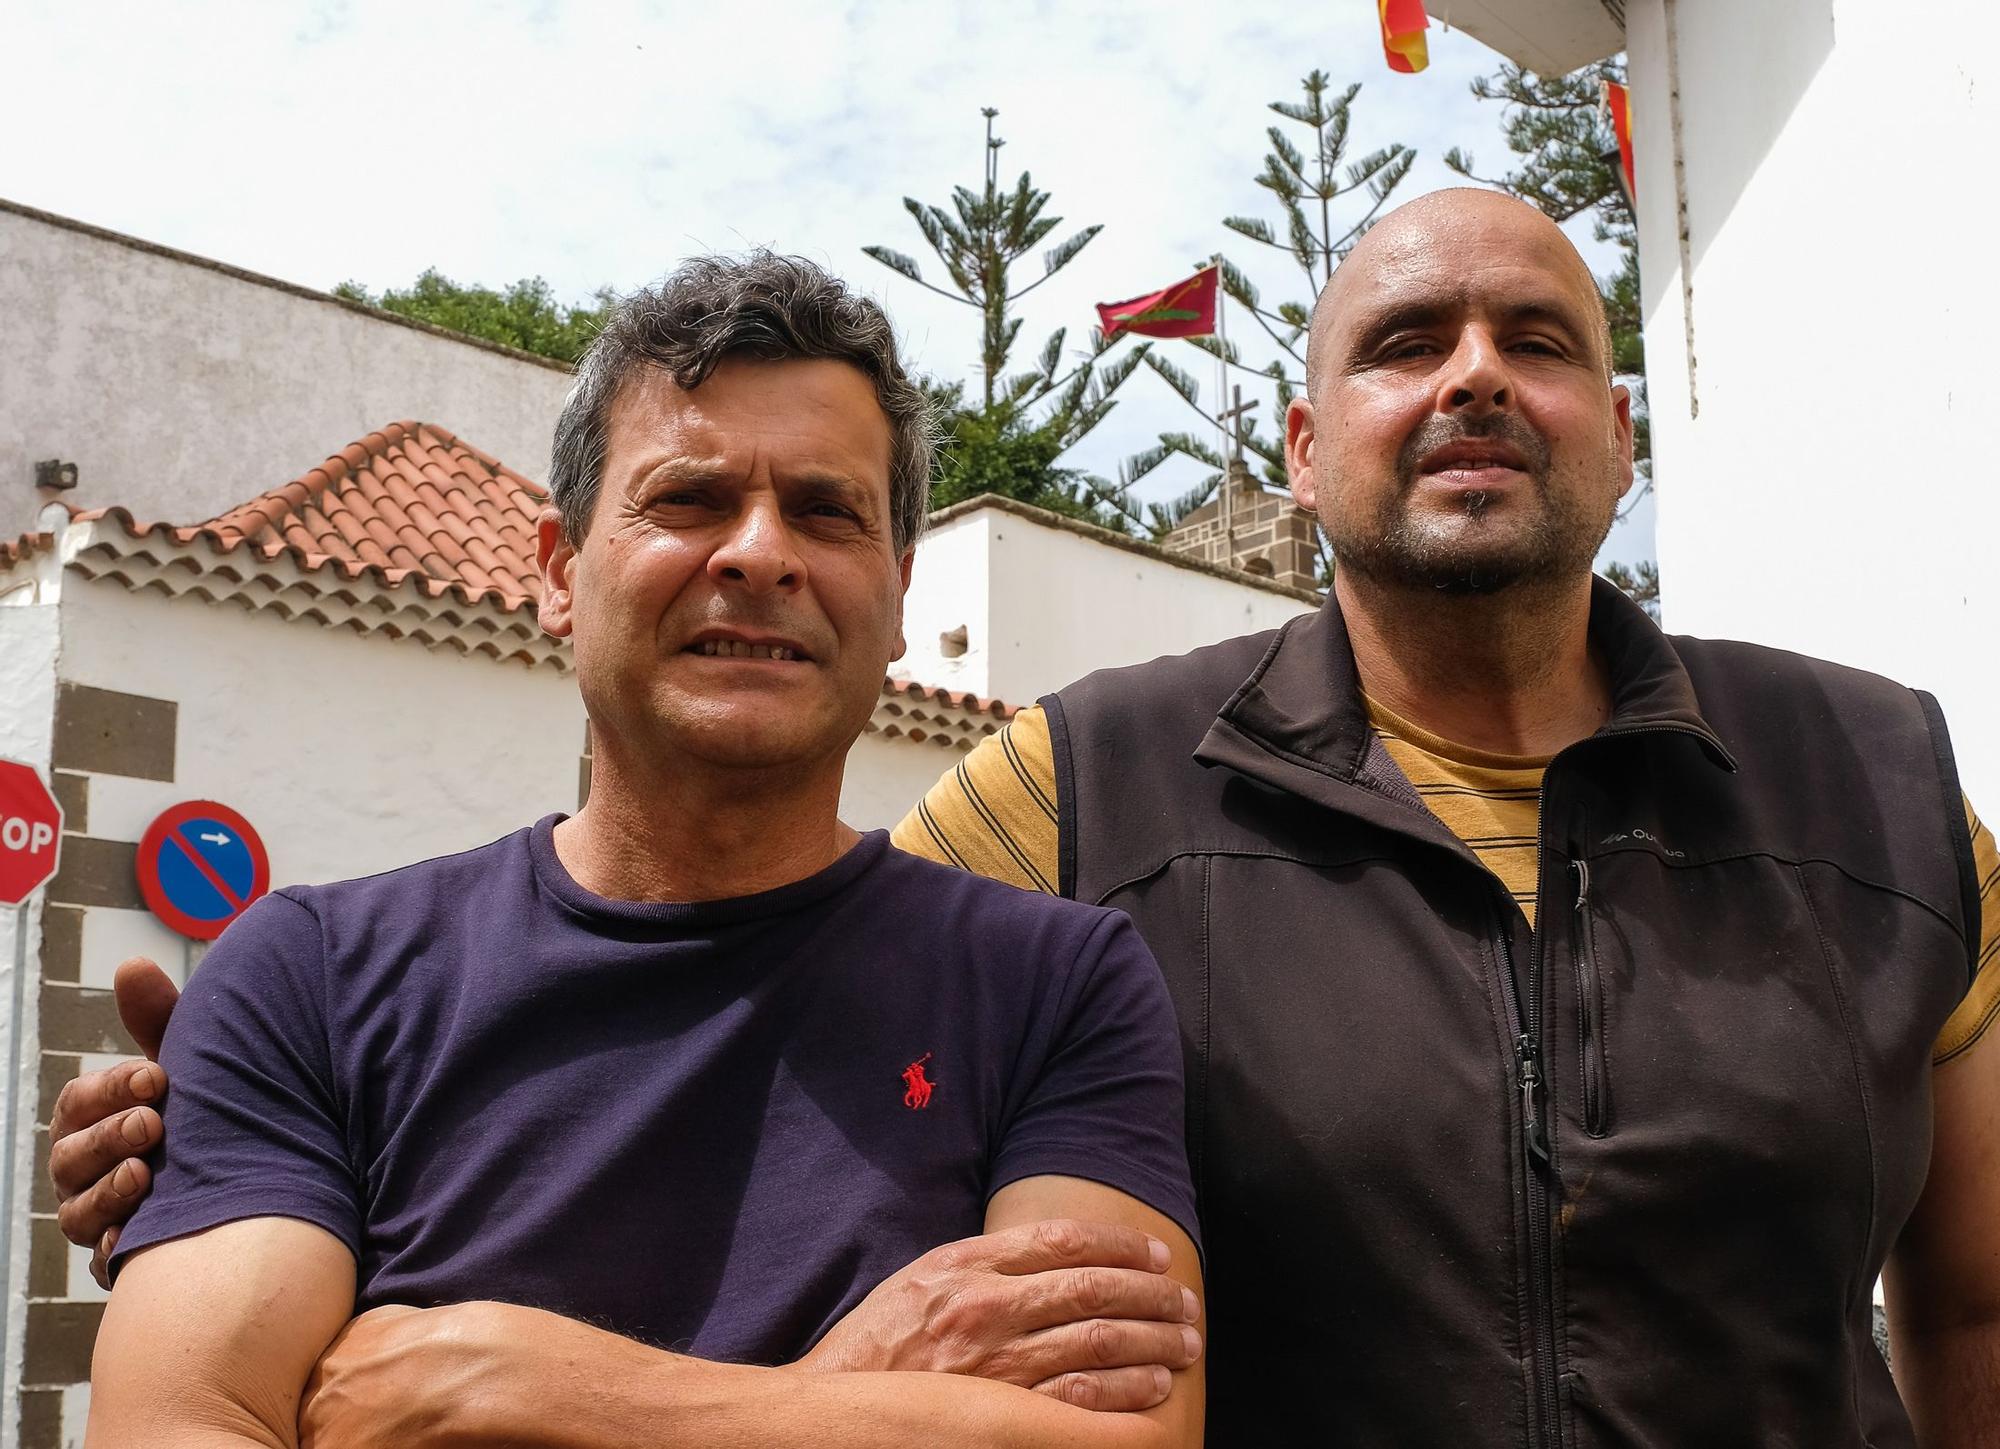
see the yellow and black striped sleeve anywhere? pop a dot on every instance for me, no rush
(1982, 1003)
(994, 813)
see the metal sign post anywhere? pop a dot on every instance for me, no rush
(30, 846)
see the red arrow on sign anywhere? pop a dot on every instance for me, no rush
(30, 831)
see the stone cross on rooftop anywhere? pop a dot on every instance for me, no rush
(1233, 420)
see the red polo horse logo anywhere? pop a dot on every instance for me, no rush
(919, 1093)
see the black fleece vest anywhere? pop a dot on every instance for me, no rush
(1626, 1179)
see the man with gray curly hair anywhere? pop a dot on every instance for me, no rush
(695, 1117)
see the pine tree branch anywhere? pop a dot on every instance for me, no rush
(1113, 374)
(1290, 349)
(1080, 373)
(895, 261)
(1101, 493)
(1015, 391)
(1186, 396)
(1190, 446)
(1143, 462)
(950, 296)
(1081, 426)
(1255, 228)
(1055, 260)
(1179, 380)
(1034, 233)
(1052, 353)
(1236, 284)
(1214, 349)
(1283, 150)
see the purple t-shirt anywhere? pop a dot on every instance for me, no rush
(713, 1127)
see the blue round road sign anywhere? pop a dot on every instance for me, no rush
(200, 867)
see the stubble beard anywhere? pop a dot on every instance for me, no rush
(1474, 548)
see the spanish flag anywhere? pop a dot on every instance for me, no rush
(1186, 309)
(1619, 102)
(1403, 26)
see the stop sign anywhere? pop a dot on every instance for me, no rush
(30, 831)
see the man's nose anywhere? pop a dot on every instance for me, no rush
(1475, 377)
(759, 553)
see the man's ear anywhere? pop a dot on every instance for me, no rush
(902, 593)
(1299, 454)
(556, 557)
(1621, 424)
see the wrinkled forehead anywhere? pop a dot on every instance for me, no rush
(1486, 262)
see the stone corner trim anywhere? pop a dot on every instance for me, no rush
(104, 732)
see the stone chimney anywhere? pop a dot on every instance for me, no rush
(1268, 535)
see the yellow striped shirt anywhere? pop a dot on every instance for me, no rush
(1492, 803)
(995, 814)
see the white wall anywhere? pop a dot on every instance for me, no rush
(1045, 606)
(949, 586)
(350, 755)
(180, 389)
(1827, 479)
(886, 777)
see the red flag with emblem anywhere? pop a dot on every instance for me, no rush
(1186, 309)
(1403, 27)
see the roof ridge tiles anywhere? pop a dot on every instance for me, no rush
(964, 701)
(410, 500)
(13, 550)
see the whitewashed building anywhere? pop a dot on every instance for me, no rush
(1816, 246)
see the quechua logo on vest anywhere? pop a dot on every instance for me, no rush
(917, 1087)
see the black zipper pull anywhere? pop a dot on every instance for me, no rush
(1528, 1058)
(1582, 882)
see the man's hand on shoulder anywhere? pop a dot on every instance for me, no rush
(1081, 1311)
(105, 1122)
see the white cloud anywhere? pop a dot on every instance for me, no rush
(600, 142)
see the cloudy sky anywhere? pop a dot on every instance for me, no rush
(595, 143)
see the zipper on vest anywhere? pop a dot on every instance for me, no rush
(1531, 1084)
(1590, 1013)
(1528, 1080)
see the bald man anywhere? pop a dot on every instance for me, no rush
(1577, 1020)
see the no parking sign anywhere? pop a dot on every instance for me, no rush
(200, 866)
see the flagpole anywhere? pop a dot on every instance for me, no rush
(1221, 404)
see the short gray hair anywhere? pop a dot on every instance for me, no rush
(762, 306)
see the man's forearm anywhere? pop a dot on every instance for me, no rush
(1950, 1382)
(483, 1373)
(726, 1406)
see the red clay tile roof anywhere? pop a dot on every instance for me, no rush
(13, 550)
(927, 714)
(964, 701)
(411, 502)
